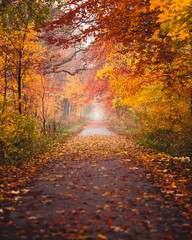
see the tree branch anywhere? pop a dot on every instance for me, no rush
(70, 73)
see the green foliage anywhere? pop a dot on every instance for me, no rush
(65, 129)
(159, 132)
(18, 137)
(58, 129)
(19, 14)
(167, 125)
(74, 128)
(21, 137)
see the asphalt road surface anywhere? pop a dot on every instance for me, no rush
(94, 188)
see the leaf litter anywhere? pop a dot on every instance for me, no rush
(95, 187)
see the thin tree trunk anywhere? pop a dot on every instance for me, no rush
(5, 88)
(43, 112)
(191, 102)
(19, 82)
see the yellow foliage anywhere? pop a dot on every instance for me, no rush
(177, 14)
(73, 90)
(157, 109)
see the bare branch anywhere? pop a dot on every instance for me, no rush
(69, 59)
(84, 68)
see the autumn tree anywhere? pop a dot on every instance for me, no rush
(149, 50)
(18, 19)
(132, 23)
(21, 57)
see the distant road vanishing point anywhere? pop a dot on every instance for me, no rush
(96, 128)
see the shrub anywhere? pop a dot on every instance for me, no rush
(18, 137)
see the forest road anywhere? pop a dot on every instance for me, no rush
(96, 128)
(94, 188)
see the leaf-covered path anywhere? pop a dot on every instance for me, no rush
(93, 188)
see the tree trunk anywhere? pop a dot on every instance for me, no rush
(5, 88)
(191, 102)
(19, 81)
(65, 108)
(43, 115)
